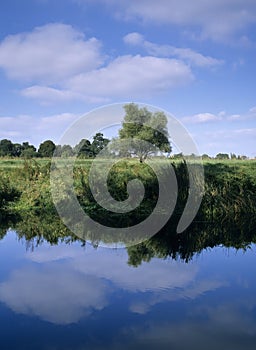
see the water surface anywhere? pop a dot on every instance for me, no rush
(76, 296)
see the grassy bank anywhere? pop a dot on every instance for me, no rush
(230, 186)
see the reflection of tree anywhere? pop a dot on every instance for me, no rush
(6, 221)
(200, 236)
(35, 229)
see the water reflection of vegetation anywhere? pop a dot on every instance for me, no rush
(199, 236)
(35, 229)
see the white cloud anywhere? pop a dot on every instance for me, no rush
(27, 128)
(224, 133)
(250, 115)
(48, 95)
(125, 77)
(221, 116)
(51, 53)
(133, 76)
(57, 295)
(186, 54)
(63, 66)
(215, 19)
(134, 39)
(76, 284)
(155, 276)
(202, 118)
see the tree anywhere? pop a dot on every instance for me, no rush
(46, 149)
(222, 156)
(98, 143)
(84, 149)
(67, 151)
(28, 151)
(142, 125)
(7, 148)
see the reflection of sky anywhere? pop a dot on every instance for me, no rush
(168, 301)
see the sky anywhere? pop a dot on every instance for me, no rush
(194, 59)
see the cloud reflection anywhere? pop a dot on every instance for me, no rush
(62, 284)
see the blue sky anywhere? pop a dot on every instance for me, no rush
(194, 59)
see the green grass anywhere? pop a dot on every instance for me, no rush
(230, 184)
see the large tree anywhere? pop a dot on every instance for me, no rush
(143, 132)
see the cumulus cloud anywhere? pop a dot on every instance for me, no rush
(186, 54)
(61, 65)
(214, 19)
(56, 295)
(128, 76)
(49, 54)
(125, 77)
(75, 284)
(155, 276)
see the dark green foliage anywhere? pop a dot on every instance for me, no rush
(199, 236)
(222, 156)
(7, 148)
(8, 193)
(84, 149)
(46, 149)
(28, 151)
(98, 143)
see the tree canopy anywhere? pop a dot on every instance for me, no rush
(143, 133)
(46, 148)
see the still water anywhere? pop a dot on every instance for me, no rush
(72, 296)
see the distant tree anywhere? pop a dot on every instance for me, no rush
(142, 125)
(84, 149)
(205, 156)
(28, 151)
(222, 156)
(243, 157)
(46, 149)
(67, 151)
(233, 156)
(7, 148)
(99, 143)
(178, 156)
(17, 149)
(57, 151)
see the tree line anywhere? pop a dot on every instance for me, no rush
(143, 133)
(85, 148)
(219, 156)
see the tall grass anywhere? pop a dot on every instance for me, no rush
(230, 188)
